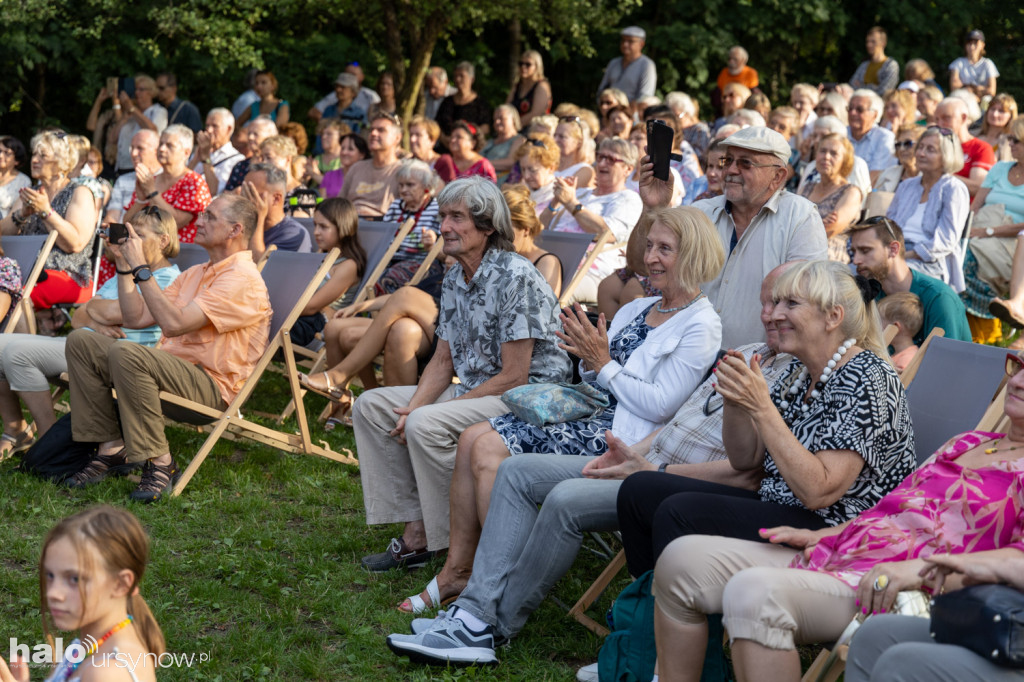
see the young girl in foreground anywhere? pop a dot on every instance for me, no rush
(89, 575)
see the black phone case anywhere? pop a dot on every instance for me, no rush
(659, 147)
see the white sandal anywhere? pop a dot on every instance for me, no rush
(433, 593)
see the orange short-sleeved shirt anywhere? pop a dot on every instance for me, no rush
(747, 76)
(233, 295)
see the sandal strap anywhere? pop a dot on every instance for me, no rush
(98, 467)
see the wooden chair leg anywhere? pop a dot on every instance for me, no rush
(578, 611)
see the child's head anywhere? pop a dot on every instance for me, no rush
(904, 310)
(336, 224)
(91, 565)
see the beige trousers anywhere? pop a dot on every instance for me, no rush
(97, 363)
(403, 483)
(761, 599)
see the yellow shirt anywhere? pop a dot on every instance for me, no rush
(234, 297)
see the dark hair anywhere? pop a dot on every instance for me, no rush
(359, 142)
(886, 230)
(15, 145)
(269, 74)
(342, 214)
(172, 80)
(473, 130)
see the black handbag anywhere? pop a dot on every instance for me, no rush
(57, 455)
(987, 619)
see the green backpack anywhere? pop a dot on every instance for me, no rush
(629, 652)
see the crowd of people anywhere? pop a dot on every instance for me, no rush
(737, 415)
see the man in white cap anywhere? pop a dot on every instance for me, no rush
(761, 226)
(633, 72)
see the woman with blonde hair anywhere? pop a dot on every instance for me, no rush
(538, 165)
(838, 200)
(804, 97)
(575, 158)
(906, 162)
(995, 127)
(531, 94)
(900, 108)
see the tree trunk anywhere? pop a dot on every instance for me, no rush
(419, 62)
(515, 49)
(396, 61)
(40, 92)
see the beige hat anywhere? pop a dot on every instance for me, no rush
(760, 139)
(634, 32)
(347, 80)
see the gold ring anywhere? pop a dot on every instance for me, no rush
(881, 582)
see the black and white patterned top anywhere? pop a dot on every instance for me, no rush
(862, 408)
(77, 265)
(507, 300)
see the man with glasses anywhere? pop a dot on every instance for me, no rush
(761, 226)
(178, 110)
(870, 141)
(979, 158)
(879, 252)
(215, 322)
(143, 151)
(372, 184)
(523, 553)
(634, 73)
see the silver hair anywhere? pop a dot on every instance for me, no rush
(949, 147)
(486, 207)
(418, 171)
(224, 115)
(263, 121)
(621, 148)
(743, 53)
(467, 68)
(183, 134)
(276, 177)
(681, 103)
(831, 124)
(747, 118)
(876, 103)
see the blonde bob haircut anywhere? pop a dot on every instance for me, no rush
(949, 146)
(160, 222)
(700, 254)
(522, 209)
(827, 284)
(58, 147)
(545, 153)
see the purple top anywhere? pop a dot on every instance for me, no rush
(330, 185)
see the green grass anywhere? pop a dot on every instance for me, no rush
(257, 564)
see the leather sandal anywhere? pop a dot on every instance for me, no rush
(13, 444)
(341, 415)
(1004, 314)
(332, 392)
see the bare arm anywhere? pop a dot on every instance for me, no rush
(974, 180)
(283, 115)
(954, 80)
(75, 230)
(505, 164)
(343, 276)
(540, 104)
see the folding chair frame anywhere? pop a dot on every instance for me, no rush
(24, 306)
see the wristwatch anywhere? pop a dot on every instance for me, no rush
(989, 231)
(577, 208)
(141, 274)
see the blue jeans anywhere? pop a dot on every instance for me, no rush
(523, 551)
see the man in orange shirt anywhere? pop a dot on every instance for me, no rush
(215, 319)
(737, 70)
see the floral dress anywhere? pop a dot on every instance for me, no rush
(10, 284)
(190, 194)
(579, 437)
(836, 245)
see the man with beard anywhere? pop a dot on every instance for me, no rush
(879, 253)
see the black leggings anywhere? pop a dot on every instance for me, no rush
(656, 508)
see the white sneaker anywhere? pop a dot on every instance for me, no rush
(587, 673)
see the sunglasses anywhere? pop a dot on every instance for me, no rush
(394, 118)
(905, 144)
(885, 222)
(744, 164)
(525, 65)
(572, 119)
(1013, 140)
(1014, 364)
(535, 142)
(608, 158)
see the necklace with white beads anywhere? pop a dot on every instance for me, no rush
(789, 398)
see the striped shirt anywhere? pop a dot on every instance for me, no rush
(413, 247)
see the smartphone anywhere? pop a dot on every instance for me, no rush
(126, 85)
(112, 87)
(659, 147)
(117, 233)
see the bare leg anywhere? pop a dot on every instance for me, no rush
(10, 410)
(415, 535)
(1016, 300)
(609, 292)
(753, 661)
(406, 342)
(488, 453)
(337, 332)
(406, 302)
(681, 648)
(40, 404)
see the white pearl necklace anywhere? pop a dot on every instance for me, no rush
(800, 385)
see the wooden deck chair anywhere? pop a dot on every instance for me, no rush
(288, 295)
(189, 255)
(387, 237)
(30, 253)
(308, 224)
(951, 390)
(910, 371)
(571, 249)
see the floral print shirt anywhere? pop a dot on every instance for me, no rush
(942, 508)
(507, 300)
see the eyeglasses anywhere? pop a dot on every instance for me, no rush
(744, 164)
(882, 220)
(572, 119)
(525, 65)
(394, 118)
(708, 409)
(208, 215)
(905, 144)
(608, 158)
(858, 110)
(1014, 364)
(150, 210)
(1013, 140)
(535, 142)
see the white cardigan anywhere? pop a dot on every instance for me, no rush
(662, 373)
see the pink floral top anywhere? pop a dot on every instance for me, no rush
(942, 508)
